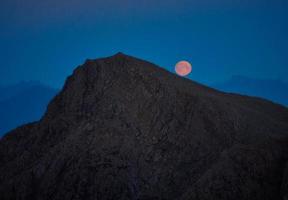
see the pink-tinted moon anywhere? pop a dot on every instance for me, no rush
(183, 68)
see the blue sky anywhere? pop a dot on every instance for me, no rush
(46, 40)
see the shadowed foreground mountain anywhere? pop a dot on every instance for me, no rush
(123, 128)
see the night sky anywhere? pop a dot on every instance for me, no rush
(45, 40)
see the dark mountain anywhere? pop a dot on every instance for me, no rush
(274, 90)
(123, 128)
(22, 103)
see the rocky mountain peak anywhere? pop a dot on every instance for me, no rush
(124, 128)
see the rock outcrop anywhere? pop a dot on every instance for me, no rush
(123, 128)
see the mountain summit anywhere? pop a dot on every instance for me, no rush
(123, 128)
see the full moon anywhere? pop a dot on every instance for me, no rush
(183, 68)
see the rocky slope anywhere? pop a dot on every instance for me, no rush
(123, 128)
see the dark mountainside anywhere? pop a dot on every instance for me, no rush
(23, 103)
(123, 128)
(274, 90)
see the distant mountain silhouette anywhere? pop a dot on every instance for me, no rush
(274, 90)
(13, 90)
(125, 129)
(22, 103)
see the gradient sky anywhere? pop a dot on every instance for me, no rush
(46, 40)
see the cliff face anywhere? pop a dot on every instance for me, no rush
(123, 128)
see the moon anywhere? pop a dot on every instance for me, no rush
(183, 68)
